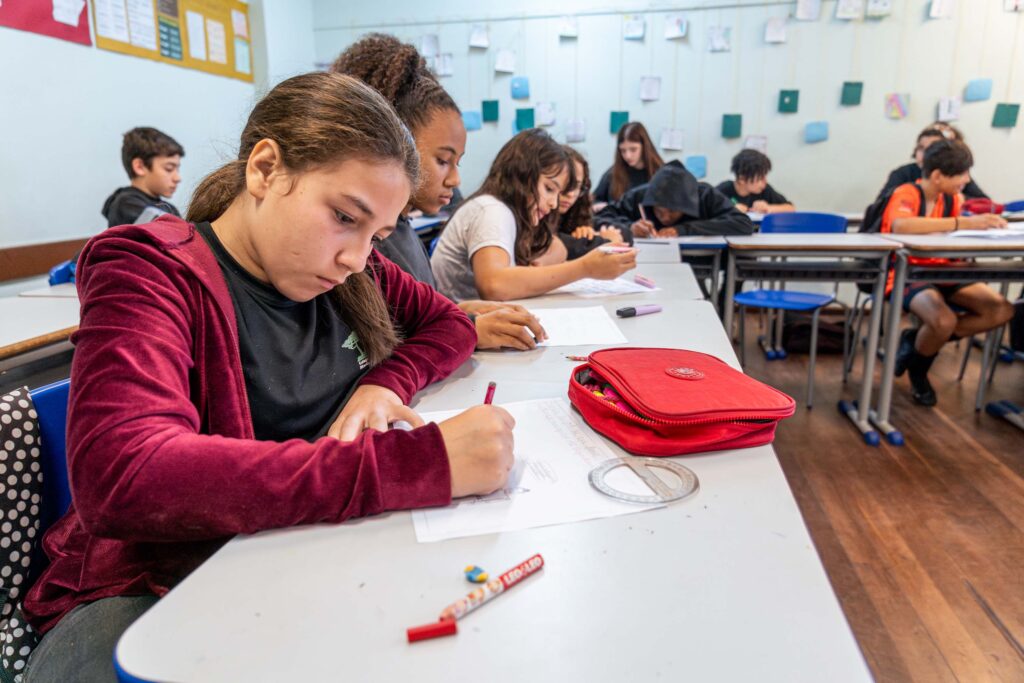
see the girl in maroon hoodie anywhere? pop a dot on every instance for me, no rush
(215, 356)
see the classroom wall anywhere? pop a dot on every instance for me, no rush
(66, 106)
(599, 72)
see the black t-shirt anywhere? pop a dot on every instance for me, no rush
(911, 173)
(300, 359)
(126, 204)
(768, 194)
(404, 247)
(637, 176)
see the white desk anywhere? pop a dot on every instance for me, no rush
(723, 586)
(66, 290)
(672, 249)
(28, 323)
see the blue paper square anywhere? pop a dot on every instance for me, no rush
(697, 165)
(520, 88)
(472, 120)
(978, 90)
(816, 131)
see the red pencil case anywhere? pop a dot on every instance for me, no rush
(672, 402)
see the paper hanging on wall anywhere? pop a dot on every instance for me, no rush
(697, 165)
(850, 9)
(111, 21)
(978, 90)
(1005, 115)
(505, 61)
(238, 24)
(732, 125)
(719, 38)
(852, 92)
(816, 131)
(520, 88)
(897, 105)
(808, 10)
(472, 120)
(650, 88)
(617, 120)
(949, 109)
(196, 35)
(789, 101)
(490, 110)
(524, 119)
(758, 142)
(672, 138)
(216, 40)
(634, 28)
(568, 27)
(775, 30)
(444, 64)
(1013, 5)
(879, 8)
(575, 130)
(675, 26)
(478, 36)
(242, 64)
(430, 45)
(941, 9)
(68, 11)
(142, 30)
(545, 113)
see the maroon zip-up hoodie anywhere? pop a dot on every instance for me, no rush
(162, 461)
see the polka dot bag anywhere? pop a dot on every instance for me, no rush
(21, 481)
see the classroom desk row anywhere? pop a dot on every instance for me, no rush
(723, 585)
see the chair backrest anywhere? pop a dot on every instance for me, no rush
(1017, 205)
(803, 221)
(51, 404)
(62, 272)
(433, 246)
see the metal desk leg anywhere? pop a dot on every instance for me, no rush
(858, 414)
(730, 292)
(892, 337)
(990, 355)
(716, 264)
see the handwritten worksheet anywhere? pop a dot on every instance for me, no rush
(578, 326)
(555, 451)
(589, 288)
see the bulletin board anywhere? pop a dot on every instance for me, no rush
(207, 35)
(64, 19)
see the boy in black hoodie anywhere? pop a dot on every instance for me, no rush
(152, 160)
(674, 203)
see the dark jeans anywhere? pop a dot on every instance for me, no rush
(81, 646)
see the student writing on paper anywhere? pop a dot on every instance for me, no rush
(238, 372)
(932, 205)
(912, 172)
(576, 215)
(750, 190)
(636, 162)
(398, 72)
(674, 203)
(500, 243)
(152, 161)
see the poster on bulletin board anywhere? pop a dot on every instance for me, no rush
(206, 35)
(64, 19)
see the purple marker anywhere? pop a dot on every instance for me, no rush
(632, 311)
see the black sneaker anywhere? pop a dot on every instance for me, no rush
(904, 350)
(923, 393)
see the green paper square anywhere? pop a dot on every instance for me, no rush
(1006, 115)
(490, 109)
(732, 125)
(524, 119)
(852, 91)
(789, 100)
(618, 120)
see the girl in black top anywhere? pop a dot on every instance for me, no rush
(636, 162)
(576, 213)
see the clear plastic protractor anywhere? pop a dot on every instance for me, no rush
(679, 483)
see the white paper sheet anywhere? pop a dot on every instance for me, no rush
(588, 326)
(142, 24)
(941, 9)
(650, 88)
(242, 64)
(589, 288)
(575, 130)
(758, 142)
(196, 35)
(505, 61)
(879, 8)
(775, 30)
(719, 38)
(672, 138)
(850, 9)
(755, 217)
(545, 113)
(568, 27)
(238, 24)
(478, 36)
(430, 45)
(808, 10)
(949, 108)
(555, 451)
(443, 64)
(112, 20)
(634, 28)
(67, 11)
(993, 234)
(675, 26)
(218, 41)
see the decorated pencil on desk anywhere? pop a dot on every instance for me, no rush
(492, 589)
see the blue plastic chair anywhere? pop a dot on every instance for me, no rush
(51, 403)
(783, 300)
(62, 272)
(433, 246)
(1014, 206)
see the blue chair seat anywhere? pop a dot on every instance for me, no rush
(781, 299)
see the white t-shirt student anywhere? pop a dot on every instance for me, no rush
(483, 221)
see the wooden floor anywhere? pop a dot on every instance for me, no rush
(914, 539)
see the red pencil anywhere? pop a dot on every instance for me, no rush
(490, 393)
